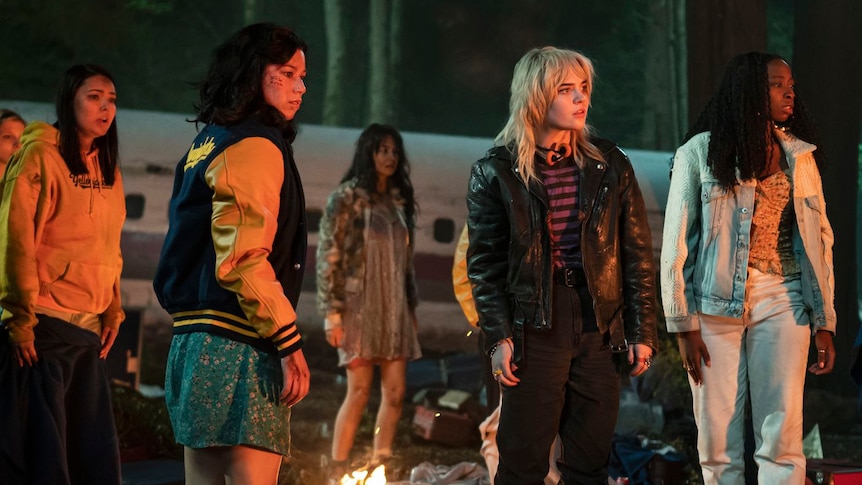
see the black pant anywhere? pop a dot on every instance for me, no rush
(569, 385)
(56, 416)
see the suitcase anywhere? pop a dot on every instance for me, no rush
(445, 426)
(833, 472)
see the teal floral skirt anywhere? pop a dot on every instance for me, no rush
(225, 393)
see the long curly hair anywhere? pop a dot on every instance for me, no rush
(363, 170)
(736, 117)
(535, 81)
(67, 123)
(232, 90)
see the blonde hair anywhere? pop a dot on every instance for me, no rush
(537, 77)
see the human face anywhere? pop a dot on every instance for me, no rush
(10, 135)
(386, 159)
(284, 85)
(95, 108)
(568, 110)
(782, 90)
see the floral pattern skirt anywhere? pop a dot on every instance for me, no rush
(225, 393)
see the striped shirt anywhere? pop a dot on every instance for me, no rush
(561, 184)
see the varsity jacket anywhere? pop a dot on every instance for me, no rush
(233, 257)
(59, 236)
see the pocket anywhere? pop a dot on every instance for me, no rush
(84, 287)
(713, 201)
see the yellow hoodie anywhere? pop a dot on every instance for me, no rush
(59, 237)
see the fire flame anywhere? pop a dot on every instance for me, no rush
(361, 477)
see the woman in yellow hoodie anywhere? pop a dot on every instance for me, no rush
(61, 212)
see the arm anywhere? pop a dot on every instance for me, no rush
(246, 181)
(331, 277)
(637, 266)
(681, 234)
(487, 256)
(23, 211)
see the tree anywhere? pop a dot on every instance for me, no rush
(718, 30)
(665, 104)
(336, 54)
(384, 59)
(827, 66)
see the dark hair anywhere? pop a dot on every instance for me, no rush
(363, 170)
(232, 90)
(67, 123)
(8, 114)
(736, 116)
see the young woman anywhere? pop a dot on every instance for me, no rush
(11, 129)
(746, 269)
(231, 266)
(561, 266)
(61, 214)
(366, 286)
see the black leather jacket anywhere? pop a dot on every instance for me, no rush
(509, 259)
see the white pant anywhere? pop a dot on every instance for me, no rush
(763, 356)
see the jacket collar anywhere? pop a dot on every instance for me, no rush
(792, 145)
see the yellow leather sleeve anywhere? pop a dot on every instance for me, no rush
(460, 283)
(246, 181)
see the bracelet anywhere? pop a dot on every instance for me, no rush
(494, 348)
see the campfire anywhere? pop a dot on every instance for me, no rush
(362, 477)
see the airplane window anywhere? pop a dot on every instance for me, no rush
(313, 217)
(444, 230)
(135, 206)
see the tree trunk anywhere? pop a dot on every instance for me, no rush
(249, 12)
(378, 66)
(664, 97)
(828, 70)
(336, 55)
(394, 68)
(718, 30)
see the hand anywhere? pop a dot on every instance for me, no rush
(693, 352)
(25, 352)
(640, 356)
(825, 353)
(502, 366)
(335, 336)
(297, 378)
(109, 335)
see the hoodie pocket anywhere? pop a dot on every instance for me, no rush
(83, 287)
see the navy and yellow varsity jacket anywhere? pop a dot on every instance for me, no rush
(232, 261)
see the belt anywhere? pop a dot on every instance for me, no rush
(570, 277)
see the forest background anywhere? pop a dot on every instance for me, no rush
(444, 66)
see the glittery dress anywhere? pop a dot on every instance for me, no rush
(377, 320)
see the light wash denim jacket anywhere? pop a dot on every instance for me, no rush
(707, 229)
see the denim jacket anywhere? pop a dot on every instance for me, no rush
(705, 244)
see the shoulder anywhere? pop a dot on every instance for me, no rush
(496, 159)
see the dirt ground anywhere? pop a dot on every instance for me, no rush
(145, 432)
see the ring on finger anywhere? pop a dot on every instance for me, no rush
(497, 372)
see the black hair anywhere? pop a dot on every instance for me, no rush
(67, 122)
(232, 89)
(364, 171)
(736, 116)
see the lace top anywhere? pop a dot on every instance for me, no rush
(772, 226)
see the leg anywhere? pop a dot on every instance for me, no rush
(205, 466)
(359, 378)
(393, 377)
(719, 402)
(777, 344)
(252, 466)
(524, 444)
(590, 413)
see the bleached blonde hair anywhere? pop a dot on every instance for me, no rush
(536, 79)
